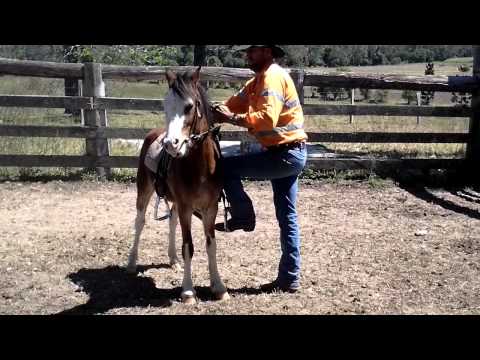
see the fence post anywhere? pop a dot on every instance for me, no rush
(419, 103)
(353, 103)
(93, 86)
(298, 76)
(473, 147)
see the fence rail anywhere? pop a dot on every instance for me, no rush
(111, 103)
(337, 163)
(93, 104)
(137, 133)
(317, 78)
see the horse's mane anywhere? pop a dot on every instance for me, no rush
(183, 86)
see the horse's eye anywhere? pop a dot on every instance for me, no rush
(188, 108)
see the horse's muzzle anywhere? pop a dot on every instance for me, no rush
(175, 148)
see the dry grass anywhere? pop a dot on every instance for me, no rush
(143, 119)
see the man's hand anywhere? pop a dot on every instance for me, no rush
(221, 114)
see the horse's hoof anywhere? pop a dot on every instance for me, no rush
(222, 296)
(176, 266)
(189, 300)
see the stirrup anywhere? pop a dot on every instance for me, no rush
(226, 209)
(168, 214)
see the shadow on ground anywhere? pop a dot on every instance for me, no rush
(421, 184)
(112, 287)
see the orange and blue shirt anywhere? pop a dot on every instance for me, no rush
(269, 107)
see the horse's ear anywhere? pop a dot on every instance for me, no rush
(196, 75)
(171, 77)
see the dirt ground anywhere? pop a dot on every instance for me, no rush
(366, 250)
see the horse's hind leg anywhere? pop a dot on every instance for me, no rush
(216, 284)
(144, 193)
(172, 250)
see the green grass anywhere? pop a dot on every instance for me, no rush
(448, 67)
(147, 119)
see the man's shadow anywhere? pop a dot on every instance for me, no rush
(112, 287)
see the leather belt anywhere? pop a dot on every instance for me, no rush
(293, 145)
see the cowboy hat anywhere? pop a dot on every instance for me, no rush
(277, 51)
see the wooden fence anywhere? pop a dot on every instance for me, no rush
(94, 104)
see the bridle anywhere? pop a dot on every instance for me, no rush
(194, 139)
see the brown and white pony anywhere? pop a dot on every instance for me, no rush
(194, 179)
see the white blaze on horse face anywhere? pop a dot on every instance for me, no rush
(175, 139)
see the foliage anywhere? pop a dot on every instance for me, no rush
(366, 93)
(461, 98)
(224, 55)
(379, 96)
(409, 95)
(427, 96)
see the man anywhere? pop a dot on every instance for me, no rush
(269, 107)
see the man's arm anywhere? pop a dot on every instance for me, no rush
(264, 112)
(238, 103)
(222, 114)
(267, 108)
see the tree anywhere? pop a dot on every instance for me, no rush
(377, 56)
(427, 96)
(461, 99)
(409, 96)
(200, 55)
(365, 94)
(315, 56)
(159, 56)
(184, 55)
(229, 60)
(380, 96)
(70, 55)
(359, 56)
(336, 56)
(296, 55)
(200, 59)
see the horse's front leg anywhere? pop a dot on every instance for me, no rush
(172, 250)
(216, 284)
(185, 216)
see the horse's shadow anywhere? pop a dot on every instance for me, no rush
(112, 287)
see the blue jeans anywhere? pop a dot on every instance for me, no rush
(282, 167)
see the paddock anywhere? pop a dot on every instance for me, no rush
(366, 249)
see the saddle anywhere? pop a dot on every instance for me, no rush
(158, 161)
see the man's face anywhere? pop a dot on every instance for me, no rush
(258, 57)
